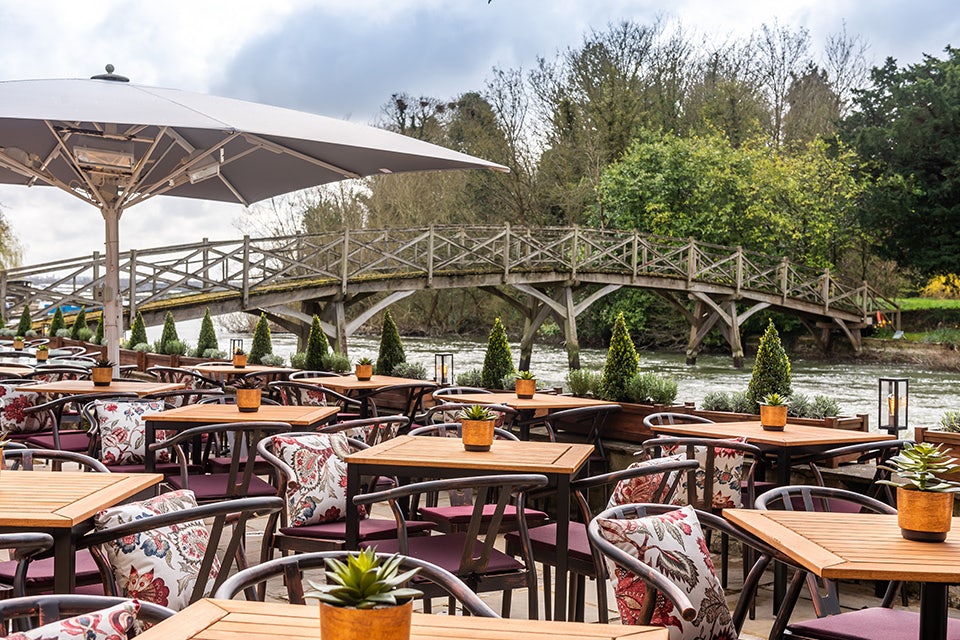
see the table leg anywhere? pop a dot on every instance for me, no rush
(563, 527)
(933, 611)
(353, 520)
(65, 562)
(149, 436)
(780, 569)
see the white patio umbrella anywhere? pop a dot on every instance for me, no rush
(115, 144)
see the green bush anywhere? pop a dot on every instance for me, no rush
(98, 336)
(317, 347)
(57, 323)
(649, 388)
(138, 332)
(771, 369)
(169, 335)
(142, 346)
(26, 323)
(716, 401)
(62, 333)
(824, 407)
(509, 382)
(799, 405)
(336, 362)
(391, 348)
(272, 360)
(208, 336)
(471, 378)
(498, 360)
(85, 334)
(298, 360)
(175, 347)
(740, 403)
(622, 362)
(583, 382)
(950, 421)
(412, 370)
(79, 322)
(262, 343)
(213, 354)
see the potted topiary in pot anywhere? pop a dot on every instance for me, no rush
(248, 394)
(924, 498)
(365, 598)
(18, 343)
(102, 372)
(476, 427)
(526, 385)
(42, 353)
(364, 369)
(773, 412)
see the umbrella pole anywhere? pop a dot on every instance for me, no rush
(112, 318)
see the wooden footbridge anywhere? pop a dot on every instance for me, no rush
(544, 272)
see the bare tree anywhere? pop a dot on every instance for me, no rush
(783, 54)
(846, 64)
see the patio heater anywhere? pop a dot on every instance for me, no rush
(443, 368)
(892, 404)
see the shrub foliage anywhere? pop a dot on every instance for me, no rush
(317, 347)
(391, 348)
(622, 362)
(498, 360)
(771, 370)
(262, 343)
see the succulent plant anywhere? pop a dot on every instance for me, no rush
(239, 352)
(774, 400)
(364, 361)
(525, 375)
(248, 383)
(919, 465)
(364, 582)
(476, 412)
(104, 363)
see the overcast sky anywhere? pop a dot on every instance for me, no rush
(345, 58)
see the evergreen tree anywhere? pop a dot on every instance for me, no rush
(138, 332)
(391, 349)
(80, 322)
(771, 369)
(262, 344)
(208, 337)
(498, 361)
(622, 362)
(317, 346)
(98, 337)
(57, 323)
(25, 323)
(169, 333)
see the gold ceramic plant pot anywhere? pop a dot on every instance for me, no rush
(773, 418)
(348, 623)
(240, 360)
(248, 400)
(526, 388)
(924, 516)
(364, 371)
(102, 376)
(477, 435)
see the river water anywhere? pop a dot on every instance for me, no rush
(853, 385)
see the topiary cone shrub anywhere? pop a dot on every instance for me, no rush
(622, 362)
(391, 348)
(169, 333)
(98, 335)
(25, 323)
(317, 346)
(138, 332)
(80, 322)
(57, 323)
(208, 336)
(498, 360)
(262, 344)
(771, 369)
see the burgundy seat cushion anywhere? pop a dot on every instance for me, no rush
(445, 551)
(460, 515)
(370, 529)
(166, 468)
(222, 465)
(40, 572)
(77, 441)
(544, 541)
(875, 623)
(214, 486)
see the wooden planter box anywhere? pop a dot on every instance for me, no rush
(949, 440)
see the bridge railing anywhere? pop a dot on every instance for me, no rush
(246, 265)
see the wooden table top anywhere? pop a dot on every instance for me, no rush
(298, 416)
(863, 546)
(350, 382)
(208, 619)
(16, 371)
(63, 499)
(525, 456)
(538, 401)
(75, 387)
(794, 435)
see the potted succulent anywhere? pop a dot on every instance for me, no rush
(364, 369)
(18, 343)
(365, 598)
(102, 372)
(42, 353)
(526, 385)
(248, 394)
(773, 412)
(239, 358)
(476, 430)
(924, 497)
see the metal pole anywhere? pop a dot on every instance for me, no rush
(112, 323)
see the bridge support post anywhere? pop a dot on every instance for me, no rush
(570, 329)
(340, 322)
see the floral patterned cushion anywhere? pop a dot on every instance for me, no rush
(13, 400)
(122, 432)
(674, 545)
(321, 491)
(161, 565)
(113, 623)
(640, 488)
(727, 473)
(306, 397)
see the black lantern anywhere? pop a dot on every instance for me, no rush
(45, 329)
(892, 404)
(236, 344)
(443, 368)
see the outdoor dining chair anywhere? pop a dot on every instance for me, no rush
(22, 548)
(636, 543)
(296, 568)
(371, 431)
(66, 431)
(405, 398)
(586, 424)
(874, 454)
(449, 410)
(294, 392)
(61, 615)
(470, 554)
(180, 375)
